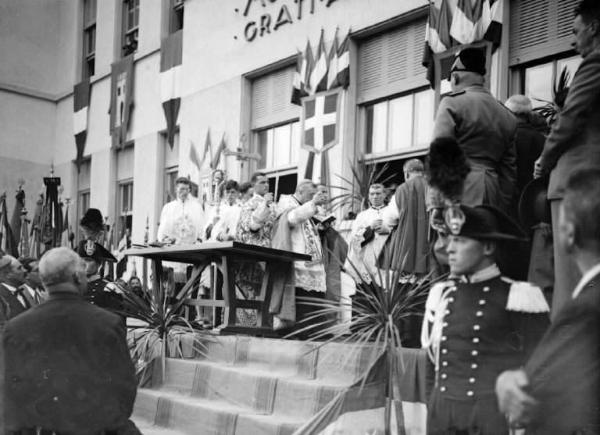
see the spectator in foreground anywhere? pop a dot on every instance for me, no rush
(68, 367)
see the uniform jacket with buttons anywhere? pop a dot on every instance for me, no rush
(476, 328)
(485, 130)
(67, 368)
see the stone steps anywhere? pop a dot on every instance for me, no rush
(246, 385)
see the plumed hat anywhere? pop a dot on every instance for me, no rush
(92, 220)
(447, 167)
(470, 59)
(484, 222)
(95, 251)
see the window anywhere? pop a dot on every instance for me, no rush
(538, 80)
(131, 16)
(89, 38)
(125, 208)
(83, 192)
(175, 15)
(400, 123)
(278, 146)
(171, 175)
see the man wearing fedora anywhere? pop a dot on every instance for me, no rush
(557, 390)
(483, 128)
(477, 324)
(575, 136)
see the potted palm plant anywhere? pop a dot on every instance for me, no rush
(381, 308)
(160, 328)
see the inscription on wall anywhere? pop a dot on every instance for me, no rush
(266, 16)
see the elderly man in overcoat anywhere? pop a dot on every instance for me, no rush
(68, 368)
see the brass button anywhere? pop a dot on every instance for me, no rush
(447, 312)
(481, 301)
(486, 289)
(444, 351)
(450, 299)
(444, 338)
(474, 353)
(470, 393)
(479, 313)
(443, 375)
(475, 339)
(444, 363)
(442, 389)
(471, 380)
(474, 366)
(445, 324)
(476, 327)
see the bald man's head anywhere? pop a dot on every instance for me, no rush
(62, 267)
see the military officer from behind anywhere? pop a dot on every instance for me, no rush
(477, 324)
(100, 291)
(67, 364)
(483, 128)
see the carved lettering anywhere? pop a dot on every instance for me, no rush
(329, 2)
(299, 2)
(250, 31)
(265, 24)
(284, 17)
(312, 6)
(249, 2)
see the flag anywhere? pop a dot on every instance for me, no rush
(16, 219)
(36, 229)
(170, 80)
(320, 124)
(298, 83)
(307, 67)
(121, 99)
(318, 78)
(81, 102)
(51, 221)
(7, 240)
(332, 61)
(207, 150)
(343, 63)
(460, 22)
(66, 236)
(217, 157)
(194, 156)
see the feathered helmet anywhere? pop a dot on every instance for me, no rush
(92, 224)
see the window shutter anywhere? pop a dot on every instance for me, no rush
(271, 95)
(539, 28)
(390, 63)
(125, 163)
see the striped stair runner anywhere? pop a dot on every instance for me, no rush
(246, 385)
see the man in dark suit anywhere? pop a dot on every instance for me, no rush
(575, 136)
(68, 367)
(13, 300)
(557, 391)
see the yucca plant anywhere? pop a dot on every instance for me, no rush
(163, 329)
(560, 89)
(380, 306)
(356, 196)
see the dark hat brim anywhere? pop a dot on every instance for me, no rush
(534, 206)
(506, 229)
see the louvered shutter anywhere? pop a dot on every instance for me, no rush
(390, 63)
(540, 28)
(271, 95)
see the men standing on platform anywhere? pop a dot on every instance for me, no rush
(483, 128)
(367, 237)
(407, 249)
(476, 325)
(181, 219)
(68, 367)
(258, 214)
(295, 211)
(575, 137)
(14, 298)
(227, 213)
(557, 391)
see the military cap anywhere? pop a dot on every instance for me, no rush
(534, 206)
(95, 251)
(470, 59)
(483, 222)
(92, 219)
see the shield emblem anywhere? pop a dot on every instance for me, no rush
(320, 121)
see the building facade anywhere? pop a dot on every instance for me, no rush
(237, 71)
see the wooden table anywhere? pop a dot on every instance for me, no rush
(226, 255)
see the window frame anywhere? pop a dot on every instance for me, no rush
(89, 34)
(129, 34)
(122, 215)
(256, 147)
(176, 15)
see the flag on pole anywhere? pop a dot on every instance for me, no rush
(214, 163)
(343, 63)
(318, 78)
(194, 156)
(298, 84)
(16, 219)
(170, 80)
(332, 61)
(121, 99)
(7, 240)
(81, 102)
(459, 22)
(207, 150)
(307, 67)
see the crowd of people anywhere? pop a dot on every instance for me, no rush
(512, 328)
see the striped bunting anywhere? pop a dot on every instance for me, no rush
(81, 102)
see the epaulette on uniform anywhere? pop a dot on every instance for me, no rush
(435, 293)
(525, 297)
